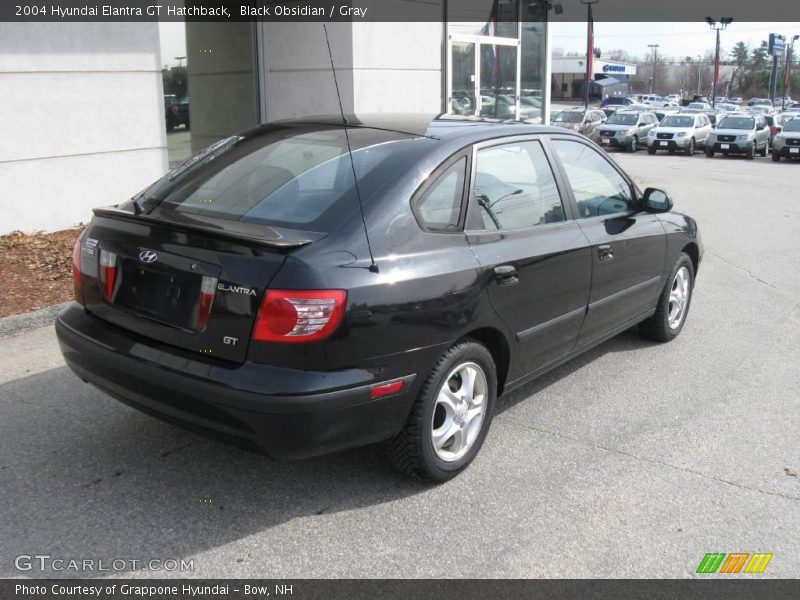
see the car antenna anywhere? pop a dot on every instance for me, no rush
(373, 267)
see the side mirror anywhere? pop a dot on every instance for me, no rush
(656, 201)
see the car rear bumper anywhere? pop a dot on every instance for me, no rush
(319, 413)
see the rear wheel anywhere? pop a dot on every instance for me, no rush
(765, 151)
(690, 148)
(451, 416)
(673, 303)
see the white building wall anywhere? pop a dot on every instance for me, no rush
(81, 119)
(397, 67)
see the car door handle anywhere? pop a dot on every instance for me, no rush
(506, 275)
(605, 252)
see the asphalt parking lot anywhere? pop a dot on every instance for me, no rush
(631, 461)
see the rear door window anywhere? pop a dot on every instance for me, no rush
(515, 188)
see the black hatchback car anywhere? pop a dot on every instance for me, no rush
(279, 291)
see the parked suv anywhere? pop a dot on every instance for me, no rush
(748, 135)
(304, 288)
(626, 129)
(787, 142)
(582, 120)
(680, 132)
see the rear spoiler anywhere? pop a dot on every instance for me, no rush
(263, 235)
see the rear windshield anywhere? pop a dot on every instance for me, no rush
(697, 105)
(793, 125)
(622, 119)
(677, 122)
(608, 101)
(290, 177)
(736, 123)
(568, 116)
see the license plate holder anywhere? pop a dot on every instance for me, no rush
(605, 140)
(665, 143)
(725, 146)
(794, 150)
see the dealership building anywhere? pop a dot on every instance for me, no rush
(83, 104)
(609, 78)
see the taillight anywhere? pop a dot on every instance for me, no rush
(76, 271)
(207, 290)
(108, 272)
(773, 129)
(299, 316)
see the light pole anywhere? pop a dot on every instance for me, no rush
(589, 49)
(717, 26)
(699, 73)
(654, 48)
(787, 76)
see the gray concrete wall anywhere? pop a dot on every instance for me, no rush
(381, 67)
(81, 119)
(222, 84)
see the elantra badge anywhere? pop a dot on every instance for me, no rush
(148, 256)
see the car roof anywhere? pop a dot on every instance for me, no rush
(467, 129)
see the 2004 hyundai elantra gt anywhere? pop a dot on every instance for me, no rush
(280, 291)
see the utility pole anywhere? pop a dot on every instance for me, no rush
(589, 50)
(699, 73)
(654, 48)
(787, 75)
(717, 27)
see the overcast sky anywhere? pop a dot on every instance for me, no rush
(675, 39)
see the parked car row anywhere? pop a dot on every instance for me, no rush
(687, 130)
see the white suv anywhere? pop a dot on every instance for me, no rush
(681, 131)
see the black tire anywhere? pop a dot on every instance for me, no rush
(658, 327)
(765, 151)
(751, 154)
(412, 451)
(633, 145)
(690, 148)
(651, 150)
(710, 153)
(775, 157)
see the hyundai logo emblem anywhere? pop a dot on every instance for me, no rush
(148, 256)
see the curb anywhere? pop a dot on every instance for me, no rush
(18, 323)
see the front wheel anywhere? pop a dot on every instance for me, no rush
(751, 154)
(451, 416)
(651, 150)
(710, 153)
(690, 148)
(633, 145)
(673, 303)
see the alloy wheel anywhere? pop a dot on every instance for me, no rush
(459, 412)
(679, 297)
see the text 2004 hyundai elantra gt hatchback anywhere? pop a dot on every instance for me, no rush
(250, 295)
